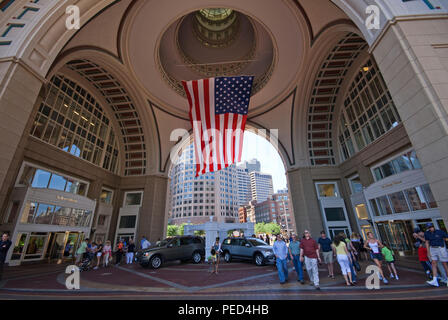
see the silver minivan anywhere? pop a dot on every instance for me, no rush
(252, 249)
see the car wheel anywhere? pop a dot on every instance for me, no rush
(227, 257)
(197, 257)
(155, 262)
(259, 260)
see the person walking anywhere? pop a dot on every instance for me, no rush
(218, 251)
(80, 253)
(435, 244)
(281, 254)
(419, 235)
(423, 258)
(144, 243)
(130, 252)
(351, 252)
(339, 248)
(107, 253)
(389, 257)
(99, 253)
(5, 244)
(119, 252)
(374, 246)
(309, 252)
(294, 252)
(327, 253)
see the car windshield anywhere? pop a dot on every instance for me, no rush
(163, 242)
(256, 242)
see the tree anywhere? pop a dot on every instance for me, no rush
(270, 228)
(172, 230)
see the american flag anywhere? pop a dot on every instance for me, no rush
(218, 112)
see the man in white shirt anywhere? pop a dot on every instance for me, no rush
(145, 244)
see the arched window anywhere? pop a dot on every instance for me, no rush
(71, 119)
(368, 111)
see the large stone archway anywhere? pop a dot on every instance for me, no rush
(413, 65)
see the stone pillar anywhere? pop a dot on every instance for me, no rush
(94, 193)
(152, 213)
(19, 90)
(303, 196)
(413, 58)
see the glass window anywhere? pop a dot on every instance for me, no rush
(383, 205)
(334, 214)
(356, 185)
(413, 158)
(133, 199)
(388, 169)
(44, 214)
(106, 196)
(416, 199)
(102, 220)
(361, 212)
(27, 176)
(81, 189)
(84, 122)
(35, 247)
(378, 174)
(429, 196)
(127, 222)
(57, 182)
(28, 212)
(374, 207)
(327, 190)
(402, 164)
(41, 179)
(398, 202)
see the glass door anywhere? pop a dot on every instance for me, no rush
(17, 252)
(71, 245)
(36, 245)
(56, 247)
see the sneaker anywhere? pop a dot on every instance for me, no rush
(392, 276)
(317, 288)
(302, 281)
(95, 268)
(385, 281)
(396, 277)
(433, 283)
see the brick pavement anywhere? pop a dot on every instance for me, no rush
(237, 280)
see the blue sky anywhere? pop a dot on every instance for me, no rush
(257, 147)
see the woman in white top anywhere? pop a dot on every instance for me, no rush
(107, 253)
(374, 246)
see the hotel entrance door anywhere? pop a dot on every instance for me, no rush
(397, 235)
(56, 246)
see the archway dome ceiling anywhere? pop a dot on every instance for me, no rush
(132, 31)
(150, 20)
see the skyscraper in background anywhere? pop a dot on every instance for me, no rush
(261, 186)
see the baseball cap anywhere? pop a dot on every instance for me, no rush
(416, 230)
(429, 225)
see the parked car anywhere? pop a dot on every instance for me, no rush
(247, 249)
(184, 248)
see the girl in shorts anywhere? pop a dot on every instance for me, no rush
(374, 246)
(389, 257)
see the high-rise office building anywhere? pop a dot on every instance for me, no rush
(261, 186)
(196, 200)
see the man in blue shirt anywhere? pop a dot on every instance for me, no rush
(327, 253)
(281, 253)
(435, 244)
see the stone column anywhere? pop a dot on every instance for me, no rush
(413, 58)
(303, 196)
(19, 90)
(152, 213)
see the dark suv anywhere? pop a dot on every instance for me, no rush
(248, 249)
(182, 248)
